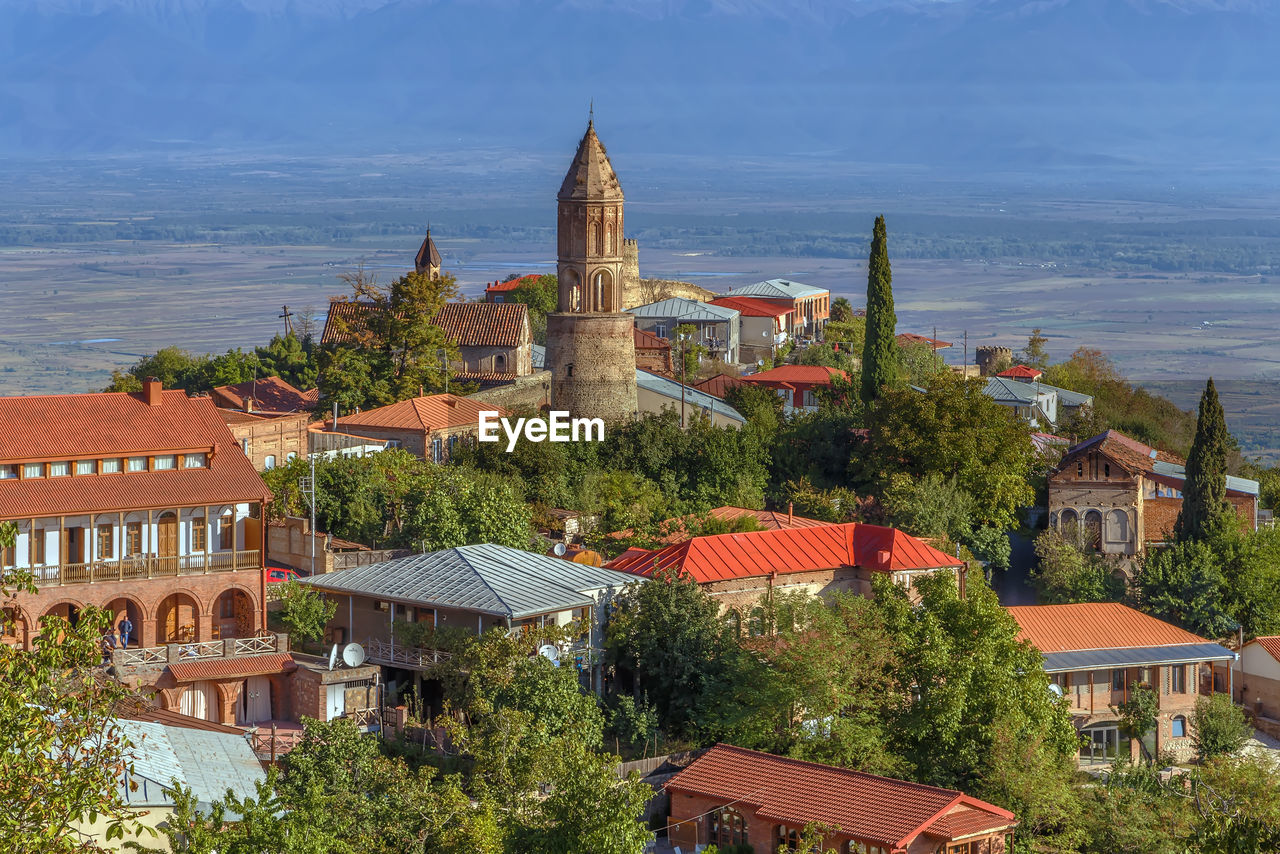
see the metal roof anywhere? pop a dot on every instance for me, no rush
(538, 354)
(1098, 659)
(1236, 484)
(777, 289)
(487, 578)
(209, 763)
(679, 308)
(999, 388)
(670, 388)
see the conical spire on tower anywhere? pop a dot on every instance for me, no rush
(590, 175)
(428, 258)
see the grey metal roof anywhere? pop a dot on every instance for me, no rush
(487, 578)
(208, 762)
(777, 289)
(670, 388)
(679, 308)
(1236, 484)
(1096, 659)
(1067, 397)
(538, 355)
(999, 388)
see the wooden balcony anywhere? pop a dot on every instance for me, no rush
(413, 657)
(172, 653)
(147, 566)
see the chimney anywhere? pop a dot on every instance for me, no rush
(248, 404)
(151, 389)
(791, 512)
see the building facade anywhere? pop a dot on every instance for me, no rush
(590, 342)
(715, 327)
(429, 427)
(269, 440)
(810, 306)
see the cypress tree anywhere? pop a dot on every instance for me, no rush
(880, 347)
(1205, 509)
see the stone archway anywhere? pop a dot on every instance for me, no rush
(177, 618)
(233, 614)
(122, 607)
(16, 629)
(602, 291)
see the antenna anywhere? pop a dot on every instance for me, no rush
(550, 653)
(559, 549)
(1055, 689)
(333, 656)
(352, 655)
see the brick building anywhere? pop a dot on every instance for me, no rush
(1097, 652)
(1257, 678)
(731, 796)
(1122, 495)
(763, 326)
(653, 353)
(797, 384)
(140, 503)
(268, 439)
(739, 570)
(266, 395)
(428, 427)
(810, 306)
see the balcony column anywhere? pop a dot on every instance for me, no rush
(207, 519)
(31, 545)
(204, 625)
(62, 545)
(146, 629)
(91, 542)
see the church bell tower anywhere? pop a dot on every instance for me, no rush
(590, 340)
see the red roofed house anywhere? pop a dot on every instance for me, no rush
(731, 796)
(1022, 373)
(1257, 679)
(653, 353)
(501, 291)
(905, 338)
(270, 395)
(763, 325)
(1097, 652)
(797, 383)
(428, 427)
(718, 385)
(740, 569)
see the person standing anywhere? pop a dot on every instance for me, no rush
(108, 646)
(126, 628)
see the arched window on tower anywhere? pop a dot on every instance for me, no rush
(599, 293)
(609, 244)
(597, 229)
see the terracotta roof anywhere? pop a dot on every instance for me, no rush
(428, 256)
(485, 324)
(769, 520)
(347, 314)
(485, 378)
(118, 424)
(1021, 372)
(499, 287)
(433, 412)
(1095, 625)
(590, 175)
(905, 338)
(1131, 453)
(649, 341)
(269, 394)
(752, 307)
(718, 385)
(811, 374)
(758, 553)
(232, 668)
(865, 806)
(1271, 644)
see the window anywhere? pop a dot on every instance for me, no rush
(106, 542)
(290, 457)
(37, 546)
(270, 462)
(733, 620)
(133, 538)
(1080, 468)
(111, 466)
(136, 464)
(394, 443)
(8, 472)
(728, 827)
(86, 466)
(199, 535)
(660, 331)
(227, 606)
(786, 837)
(226, 529)
(244, 446)
(166, 462)
(437, 451)
(1106, 469)
(1178, 727)
(1117, 680)
(59, 469)
(195, 461)
(1178, 679)
(33, 470)
(863, 848)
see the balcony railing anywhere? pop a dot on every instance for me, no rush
(147, 566)
(172, 653)
(384, 652)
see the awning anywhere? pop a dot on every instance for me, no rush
(1099, 659)
(232, 668)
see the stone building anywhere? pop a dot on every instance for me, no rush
(1121, 495)
(1257, 681)
(493, 339)
(590, 342)
(653, 353)
(992, 360)
(269, 439)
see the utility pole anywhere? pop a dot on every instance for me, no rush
(684, 336)
(965, 369)
(307, 486)
(287, 316)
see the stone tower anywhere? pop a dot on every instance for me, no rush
(428, 258)
(590, 340)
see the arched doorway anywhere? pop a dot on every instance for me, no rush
(233, 615)
(1093, 529)
(167, 542)
(66, 611)
(177, 618)
(14, 630)
(122, 608)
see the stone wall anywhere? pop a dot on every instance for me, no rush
(630, 266)
(652, 290)
(993, 360)
(592, 358)
(277, 437)
(531, 393)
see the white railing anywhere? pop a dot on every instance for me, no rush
(141, 656)
(384, 652)
(194, 650)
(172, 653)
(365, 717)
(253, 646)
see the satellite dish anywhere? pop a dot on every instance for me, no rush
(333, 656)
(353, 655)
(550, 653)
(559, 549)
(1055, 689)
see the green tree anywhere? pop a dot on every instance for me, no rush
(541, 295)
(1183, 583)
(1219, 727)
(305, 612)
(291, 359)
(1034, 354)
(1066, 573)
(690, 349)
(1139, 713)
(1205, 509)
(1238, 807)
(920, 363)
(841, 310)
(880, 367)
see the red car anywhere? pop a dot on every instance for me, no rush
(277, 574)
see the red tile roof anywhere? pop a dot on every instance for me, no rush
(759, 553)
(499, 287)
(810, 374)
(485, 324)
(905, 338)
(752, 307)
(718, 385)
(232, 668)
(1095, 625)
(1132, 454)
(433, 412)
(269, 394)
(1021, 372)
(649, 341)
(118, 424)
(1271, 644)
(865, 806)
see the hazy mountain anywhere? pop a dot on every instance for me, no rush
(963, 84)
